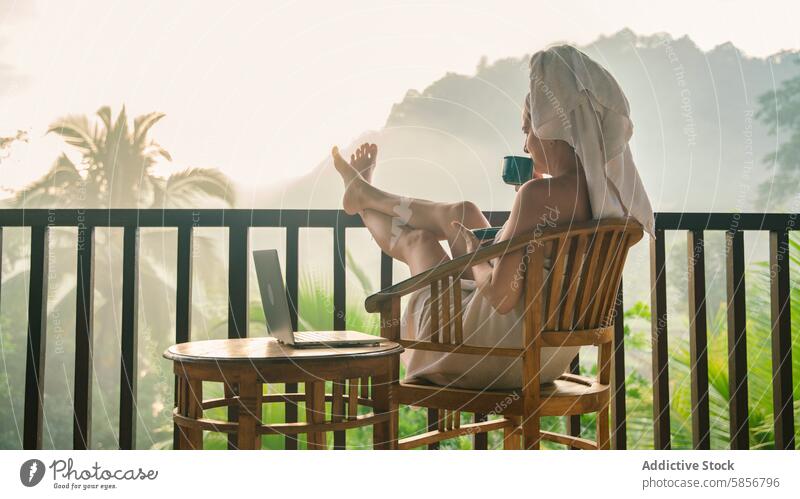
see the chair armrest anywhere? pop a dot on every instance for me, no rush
(458, 265)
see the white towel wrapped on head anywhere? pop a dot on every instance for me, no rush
(574, 99)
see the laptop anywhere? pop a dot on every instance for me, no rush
(276, 308)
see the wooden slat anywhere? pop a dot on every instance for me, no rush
(607, 308)
(555, 282)
(84, 329)
(183, 297)
(458, 315)
(698, 340)
(606, 271)
(129, 341)
(462, 348)
(587, 283)
(37, 338)
(433, 437)
(737, 340)
(434, 312)
(572, 282)
(618, 406)
(660, 352)
(780, 301)
(570, 441)
(352, 398)
(578, 337)
(292, 283)
(445, 301)
(238, 297)
(339, 276)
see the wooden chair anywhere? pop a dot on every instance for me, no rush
(572, 305)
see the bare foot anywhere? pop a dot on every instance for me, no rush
(363, 160)
(353, 182)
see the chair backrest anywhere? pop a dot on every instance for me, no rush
(580, 291)
(569, 305)
(574, 304)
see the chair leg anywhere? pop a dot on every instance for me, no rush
(603, 439)
(512, 435)
(531, 432)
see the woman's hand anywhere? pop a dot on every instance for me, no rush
(471, 240)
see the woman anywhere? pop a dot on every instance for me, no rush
(576, 126)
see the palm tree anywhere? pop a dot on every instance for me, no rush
(115, 171)
(116, 168)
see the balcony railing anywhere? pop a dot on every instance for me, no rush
(238, 223)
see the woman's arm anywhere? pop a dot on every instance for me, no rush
(501, 283)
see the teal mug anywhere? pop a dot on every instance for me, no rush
(517, 169)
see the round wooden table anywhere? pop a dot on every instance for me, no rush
(364, 376)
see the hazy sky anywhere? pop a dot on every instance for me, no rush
(262, 90)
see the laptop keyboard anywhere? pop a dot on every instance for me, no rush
(322, 337)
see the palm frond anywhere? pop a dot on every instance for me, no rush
(50, 189)
(142, 124)
(77, 132)
(205, 181)
(105, 116)
(361, 275)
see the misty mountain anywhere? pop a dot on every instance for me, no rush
(696, 140)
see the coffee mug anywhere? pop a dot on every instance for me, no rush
(517, 169)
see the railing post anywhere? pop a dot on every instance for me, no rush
(737, 340)
(698, 344)
(780, 304)
(292, 293)
(339, 276)
(339, 298)
(84, 333)
(658, 299)
(37, 338)
(238, 303)
(619, 411)
(183, 301)
(574, 421)
(129, 341)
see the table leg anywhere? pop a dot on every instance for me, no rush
(190, 405)
(384, 386)
(250, 397)
(231, 389)
(337, 413)
(315, 413)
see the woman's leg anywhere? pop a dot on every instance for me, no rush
(417, 248)
(431, 216)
